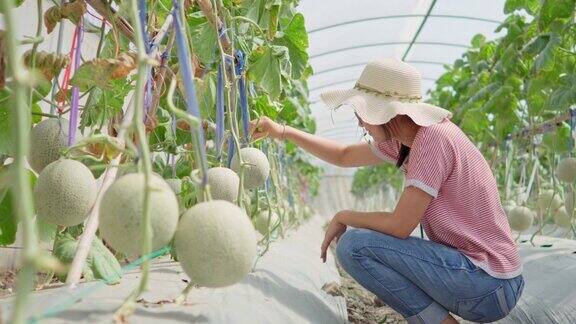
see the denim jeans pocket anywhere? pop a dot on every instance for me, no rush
(486, 308)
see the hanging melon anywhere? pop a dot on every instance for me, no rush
(265, 221)
(548, 199)
(215, 243)
(65, 192)
(521, 218)
(566, 170)
(257, 170)
(223, 184)
(121, 213)
(47, 139)
(562, 218)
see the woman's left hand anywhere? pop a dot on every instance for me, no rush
(334, 230)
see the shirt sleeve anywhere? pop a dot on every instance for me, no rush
(431, 162)
(387, 150)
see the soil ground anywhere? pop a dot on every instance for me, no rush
(363, 306)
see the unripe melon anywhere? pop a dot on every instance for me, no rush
(47, 139)
(215, 243)
(508, 208)
(260, 221)
(223, 184)
(521, 218)
(257, 172)
(562, 218)
(65, 192)
(121, 213)
(548, 198)
(566, 170)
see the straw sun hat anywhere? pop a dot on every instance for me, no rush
(386, 88)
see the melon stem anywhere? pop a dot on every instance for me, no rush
(184, 294)
(230, 90)
(138, 122)
(21, 189)
(192, 121)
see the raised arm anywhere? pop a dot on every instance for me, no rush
(342, 155)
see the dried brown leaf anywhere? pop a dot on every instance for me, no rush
(72, 11)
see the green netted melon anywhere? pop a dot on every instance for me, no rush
(566, 170)
(215, 243)
(47, 139)
(223, 184)
(257, 172)
(562, 218)
(521, 218)
(260, 221)
(548, 199)
(121, 212)
(65, 192)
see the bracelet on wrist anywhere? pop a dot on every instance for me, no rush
(283, 137)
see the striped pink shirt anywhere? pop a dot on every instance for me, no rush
(466, 212)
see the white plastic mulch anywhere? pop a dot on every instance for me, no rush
(284, 288)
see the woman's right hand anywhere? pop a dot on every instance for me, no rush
(265, 127)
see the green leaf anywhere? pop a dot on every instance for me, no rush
(289, 110)
(104, 265)
(478, 40)
(206, 43)
(481, 94)
(536, 45)
(105, 103)
(65, 249)
(5, 131)
(8, 223)
(295, 39)
(555, 9)
(531, 6)
(206, 89)
(263, 106)
(545, 60)
(558, 141)
(266, 69)
(100, 264)
(564, 95)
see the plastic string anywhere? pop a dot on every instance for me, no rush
(190, 89)
(239, 55)
(84, 292)
(219, 112)
(143, 16)
(67, 71)
(74, 103)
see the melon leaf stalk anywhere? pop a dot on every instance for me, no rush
(21, 189)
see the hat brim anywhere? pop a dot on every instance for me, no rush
(377, 109)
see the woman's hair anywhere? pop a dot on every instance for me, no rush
(402, 155)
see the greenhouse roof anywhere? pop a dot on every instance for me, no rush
(345, 35)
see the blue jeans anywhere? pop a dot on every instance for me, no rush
(424, 280)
